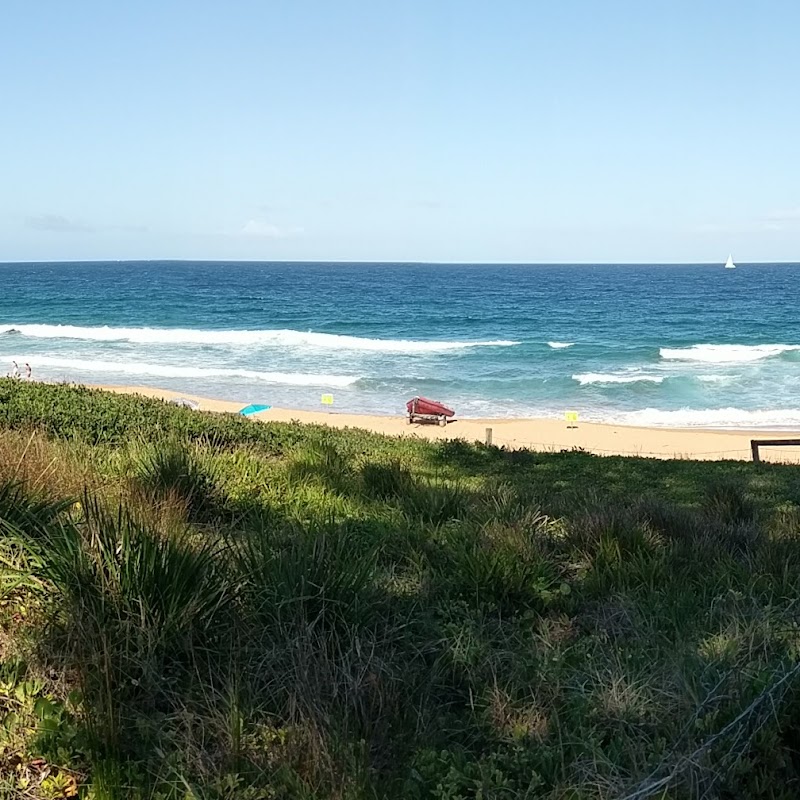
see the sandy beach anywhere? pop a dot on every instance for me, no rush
(536, 434)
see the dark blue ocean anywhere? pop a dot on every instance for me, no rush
(644, 344)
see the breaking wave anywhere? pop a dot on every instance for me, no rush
(263, 338)
(725, 353)
(560, 345)
(174, 371)
(770, 419)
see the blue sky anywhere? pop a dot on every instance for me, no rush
(442, 130)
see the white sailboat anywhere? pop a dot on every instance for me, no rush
(729, 263)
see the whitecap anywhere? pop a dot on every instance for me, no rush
(725, 353)
(587, 378)
(716, 378)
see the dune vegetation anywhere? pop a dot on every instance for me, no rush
(201, 606)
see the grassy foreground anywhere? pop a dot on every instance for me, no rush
(197, 606)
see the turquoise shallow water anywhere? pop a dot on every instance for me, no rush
(644, 344)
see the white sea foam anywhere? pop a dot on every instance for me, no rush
(175, 371)
(560, 345)
(264, 338)
(725, 353)
(588, 378)
(715, 418)
(716, 378)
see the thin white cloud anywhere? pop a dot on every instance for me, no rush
(56, 223)
(268, 230)
(785, 215)
(126, 228)
(769, 223)
(712, 227)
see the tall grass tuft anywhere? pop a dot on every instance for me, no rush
(54, 468)
(322, 461)
(497, 567)
(727, 501)
(135, 608)
(333, 649)
(321, 575)
(173, 470)
(388, 480)
(422, 499)
(29, 510)
(434, 502)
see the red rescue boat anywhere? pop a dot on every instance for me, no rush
(420, 409)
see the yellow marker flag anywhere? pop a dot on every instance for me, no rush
(327, 399)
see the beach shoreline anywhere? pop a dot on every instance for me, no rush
(544, 435)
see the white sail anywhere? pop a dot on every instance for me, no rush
(729, 263)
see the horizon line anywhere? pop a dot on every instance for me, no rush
(388, 262)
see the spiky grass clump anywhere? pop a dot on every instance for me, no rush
(427, 500)
(435, 502)
(323, 462)
(135, 608)
(386, 481)
(19, 507)
(317, 575)
(727, 502)
(175, 472)
(47, 468)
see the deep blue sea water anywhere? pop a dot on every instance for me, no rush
(644, 344)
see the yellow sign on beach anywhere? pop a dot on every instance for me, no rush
(571, 416)
(327, 400)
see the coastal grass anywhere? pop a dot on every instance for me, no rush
(202, 606)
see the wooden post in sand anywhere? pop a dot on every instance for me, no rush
(488, 437)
